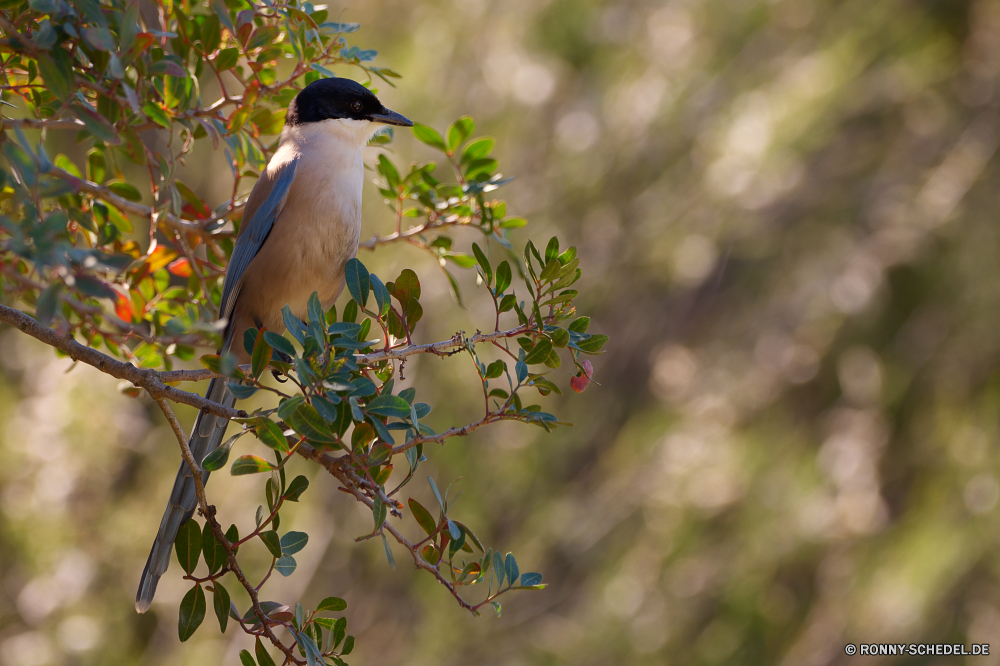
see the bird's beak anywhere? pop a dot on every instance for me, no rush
(391, 118)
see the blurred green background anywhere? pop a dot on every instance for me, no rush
(786, 212)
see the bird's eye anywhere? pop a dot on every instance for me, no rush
(356, 106)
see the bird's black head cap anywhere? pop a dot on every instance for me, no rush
(335, 98)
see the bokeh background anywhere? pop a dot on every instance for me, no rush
(787, 217)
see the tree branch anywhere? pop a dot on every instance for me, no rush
(143, 378)
(209, 513)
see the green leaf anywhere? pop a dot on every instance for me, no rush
(507, 303)
(379, 511)
(307, 421)
(498, 569)
(331, 605)
(285, 565)
(262, 656)
(240, 391)
(261, 356)
(539, 353)
(381, 294)
(215, 554)
(437, 493)
(279, 342)
(388, 552)
(56, 69)
(593, 344)
(99, 39)
(358, 283)
(484, 264)
(188, 545)
(48, 302)
(293, 542)
(348, 646)
(503, 277)
(496, 607)
(463, 260)
(156, 114)
(271, 435)
(192, 612)
(422, 516)
(495, 369)
(124, 190)
(580, 325)
(477, 149)
(250, 465)
(389, 405)
(233, 535)
(458, 132)
(530, 579)
(510, 567)
(430, 136)
(222, 604)
(513, 223)
(295, 489)
(271, 540)
(227, 59)
(560, 337)
(246, 658)
(97, 125)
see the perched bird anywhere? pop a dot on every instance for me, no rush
(300, 226)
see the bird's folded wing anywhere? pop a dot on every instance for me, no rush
(263, 207)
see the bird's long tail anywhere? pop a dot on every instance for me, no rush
(205, 438)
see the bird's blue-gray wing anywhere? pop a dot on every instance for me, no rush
(255, 232)
(208, 428)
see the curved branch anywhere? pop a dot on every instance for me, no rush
(143, 378)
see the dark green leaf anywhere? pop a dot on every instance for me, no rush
(192, 612)
(358, 284)
(381, 294)
(495, 369)
(307, 421)
(287, 406)
(246, 658)
(560, 337)
(56, 69)
(389, 405)
(240, 391)
(498, 569)
(484, 264)
(379, 511)
(215, 554)
(295, 489)
(271, 540)
(580, 325)
(188, 545)
(262, 656)
(331, 605)
(422, 516)
(294, 325)
(503, 277)
(593, 344)
(293, 542)
(539, 353)
(271, 435)
(222, 604)
(510, 567)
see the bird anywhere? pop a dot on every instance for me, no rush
(301, 225)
